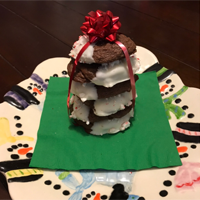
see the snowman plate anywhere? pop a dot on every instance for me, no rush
(19, 121)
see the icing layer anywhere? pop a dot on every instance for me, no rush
(112, 126)
(86, 91)
(87, 56)
(108, 106)
(80, 110)
(115, 72)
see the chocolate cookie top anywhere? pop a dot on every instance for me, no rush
(102, 52)
(109, 52)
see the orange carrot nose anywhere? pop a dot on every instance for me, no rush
(163, 88)
(36, 90)
(97, 197)
(182, 149)
(24, 150)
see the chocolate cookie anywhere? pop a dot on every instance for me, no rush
(102, 51)
(84, 91)
(84, 72)
(105, 52)
(94, 118)
(110, 126)
(107, 74)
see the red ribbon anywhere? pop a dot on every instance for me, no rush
(130, 70)
(102, 26)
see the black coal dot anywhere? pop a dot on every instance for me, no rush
(181, 156)
(172, 172)
(167, 183)
(29, 87)
(39, 86)
(172, 86)
(170, 90)
(88, 195)
(177, 143)
(55, 75)
(48, 182)
(19, 145)
(20, 132)
(104, 197)
(66, 192)
(10, 149)
(25, 145)
(162, 94)
(64, 72)
(41, 90)
(141, 198)
(193, 146)
(166, 93)
(34, 93)
(190, 115)
(163, 193)
(178, 100)
(14, 156)
(93, 193)
(185, 155)
(185, 107)
(35, 84)
(56, 187)
(168, 81)
(14, 146)
(18, 125)
(29, 155)
(47, 80)
(31, 83)
(17, 117)
(84, 198)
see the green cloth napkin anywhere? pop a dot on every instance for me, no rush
(147, 143)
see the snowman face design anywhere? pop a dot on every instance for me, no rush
(170, 86)
(187, 151)
(32, 91)
(36, 89)
(20, 150)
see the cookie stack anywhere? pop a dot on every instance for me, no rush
(102, 97)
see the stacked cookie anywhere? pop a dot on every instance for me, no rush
(102, 97)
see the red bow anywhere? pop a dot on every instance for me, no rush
(101, 25)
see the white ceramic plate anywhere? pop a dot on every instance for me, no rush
(18, 135)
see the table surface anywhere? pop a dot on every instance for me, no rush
(33, 31)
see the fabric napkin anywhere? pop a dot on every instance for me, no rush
(147, 143)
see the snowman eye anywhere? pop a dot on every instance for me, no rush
(168, 81)
(177, 143)
(64, 72)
